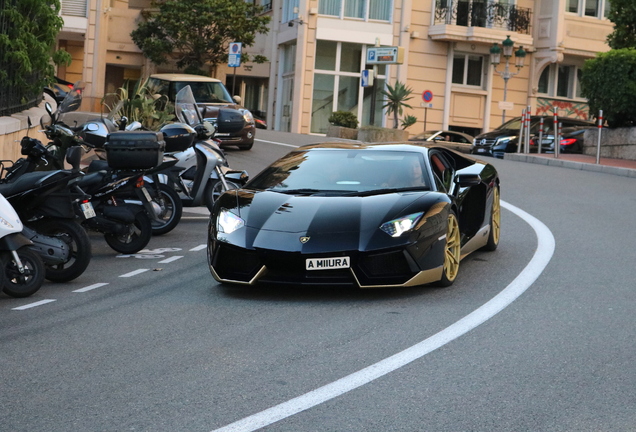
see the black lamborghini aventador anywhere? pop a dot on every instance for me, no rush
(365, 215)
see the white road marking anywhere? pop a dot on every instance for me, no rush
(196, 210)
(277, 143)
(91, 287)
(540, 259)
(169, 260)
(134, 273)
(32, 305)
(198, 248)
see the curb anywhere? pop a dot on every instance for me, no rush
(619, 171)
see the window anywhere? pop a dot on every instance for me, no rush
(468, 69)
(337, 84)
(561, 81)
(589, 8)
(290, 10)
(379, 10)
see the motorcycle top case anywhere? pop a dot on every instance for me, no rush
(229, 121)
(178, 136)
(134, 149)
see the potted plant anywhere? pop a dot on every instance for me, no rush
(343, 124)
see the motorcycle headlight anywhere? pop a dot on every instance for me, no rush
(247, 116)
(397, 227)
(227, 222)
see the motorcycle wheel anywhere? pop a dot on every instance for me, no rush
(18, 284)
(138, 236)
(214, 190)
(78, 242)
(170, 209)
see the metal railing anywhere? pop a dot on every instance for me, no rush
(471, 13)
(12, 98)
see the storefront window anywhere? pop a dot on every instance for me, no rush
(326, 55)
(350, 56)
(322, 102)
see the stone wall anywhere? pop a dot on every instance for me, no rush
(13, 128)
(619, 143)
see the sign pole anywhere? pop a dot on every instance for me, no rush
(234, 82)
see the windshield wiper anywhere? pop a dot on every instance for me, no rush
(308, 191)
(389, 190)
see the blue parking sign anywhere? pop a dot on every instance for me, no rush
(234, 55)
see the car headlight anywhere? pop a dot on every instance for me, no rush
(397, 227)
(227, 222)
(247, 116)
(504, 140)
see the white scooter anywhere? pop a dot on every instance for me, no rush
(201, 173)
(21, 269)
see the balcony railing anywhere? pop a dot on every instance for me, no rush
(483, 14)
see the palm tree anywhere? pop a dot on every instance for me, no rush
(396, 100)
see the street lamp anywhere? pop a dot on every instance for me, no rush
(506, 74)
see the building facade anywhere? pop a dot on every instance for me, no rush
(318, 50)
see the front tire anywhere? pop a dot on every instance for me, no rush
(452, 252)
(78, 243)
(495, 222)
(137, 237)
(171, 209)
(18, 284)
(214, 190)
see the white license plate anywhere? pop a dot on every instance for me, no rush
(481, 150)
(88, 210)
(327, 263)
(225, 134)
(146, 194)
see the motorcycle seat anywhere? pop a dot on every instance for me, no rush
(28, 181)
(93, 179)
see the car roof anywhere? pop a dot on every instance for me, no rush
(184, 77)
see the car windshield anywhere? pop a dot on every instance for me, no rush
(204, 92)
(343, 172)
(426, 135)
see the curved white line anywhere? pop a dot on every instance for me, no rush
(540, 259)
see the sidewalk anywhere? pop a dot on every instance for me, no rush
(621, 167)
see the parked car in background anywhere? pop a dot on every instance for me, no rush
(505, 138)
(455, 140)
(211, 95)
(59, 89)
(572, 140)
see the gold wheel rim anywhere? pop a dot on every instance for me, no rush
(453, 248)
(496, 216)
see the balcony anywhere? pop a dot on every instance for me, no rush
(473, 20)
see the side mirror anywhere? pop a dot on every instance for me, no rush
(48, 108)
(465, 180)
(237, 99)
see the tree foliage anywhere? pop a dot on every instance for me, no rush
(623, 15)
(396, 100)
(27, 41)
(196, 33)
(609, 84)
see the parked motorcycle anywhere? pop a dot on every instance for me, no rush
(46, 202)
(121, 204)
(202, 173)
(164, 208)
(21, 269)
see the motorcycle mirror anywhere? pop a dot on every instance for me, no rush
(48, 108)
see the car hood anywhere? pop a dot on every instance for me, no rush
(211, 110)
(343, 223)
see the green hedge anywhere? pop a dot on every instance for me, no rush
(609, 84)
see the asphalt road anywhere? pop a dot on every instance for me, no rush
(168, 349)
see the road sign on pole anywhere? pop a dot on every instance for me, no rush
(366, 78)
(234, 54)
(385, 55)
(427, 96)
